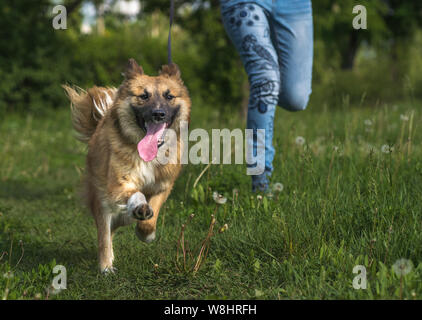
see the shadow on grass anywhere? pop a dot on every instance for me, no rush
(69, 254)
(19, 189)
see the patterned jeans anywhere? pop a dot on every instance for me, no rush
(275, 41)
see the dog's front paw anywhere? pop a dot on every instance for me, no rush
(143, 212)
(138, 207)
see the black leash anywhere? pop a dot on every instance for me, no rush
(169, 60)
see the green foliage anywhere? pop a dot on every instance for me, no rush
(29, 51)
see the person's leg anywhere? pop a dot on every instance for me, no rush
(248, 28)
(292, 31)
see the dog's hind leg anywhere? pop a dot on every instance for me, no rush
(119, 219)
(145, 229)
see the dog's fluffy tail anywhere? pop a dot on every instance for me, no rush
(88, 107)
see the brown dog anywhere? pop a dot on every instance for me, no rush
(124, 128)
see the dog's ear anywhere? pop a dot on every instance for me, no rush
(170, 70)
(133, 69)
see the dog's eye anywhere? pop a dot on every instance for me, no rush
(168, 96)
(144, 96)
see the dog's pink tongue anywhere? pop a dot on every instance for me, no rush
(148, 146)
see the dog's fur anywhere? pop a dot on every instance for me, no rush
(121, 188)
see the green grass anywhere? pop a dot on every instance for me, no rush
(344, 203)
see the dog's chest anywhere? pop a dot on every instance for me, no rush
(146, 174)
(147, 177)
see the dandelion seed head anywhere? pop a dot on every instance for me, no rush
(368, 122)
(8, 275)
(300, 141)
(218, 198)
(385, 148)
(404, 117)
(278, 187)
(402, 267)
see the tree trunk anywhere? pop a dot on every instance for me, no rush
(72, 6)
(349, 55)
(395, 69)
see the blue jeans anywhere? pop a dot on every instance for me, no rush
(275, 43)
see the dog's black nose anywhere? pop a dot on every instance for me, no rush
(158, 115)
